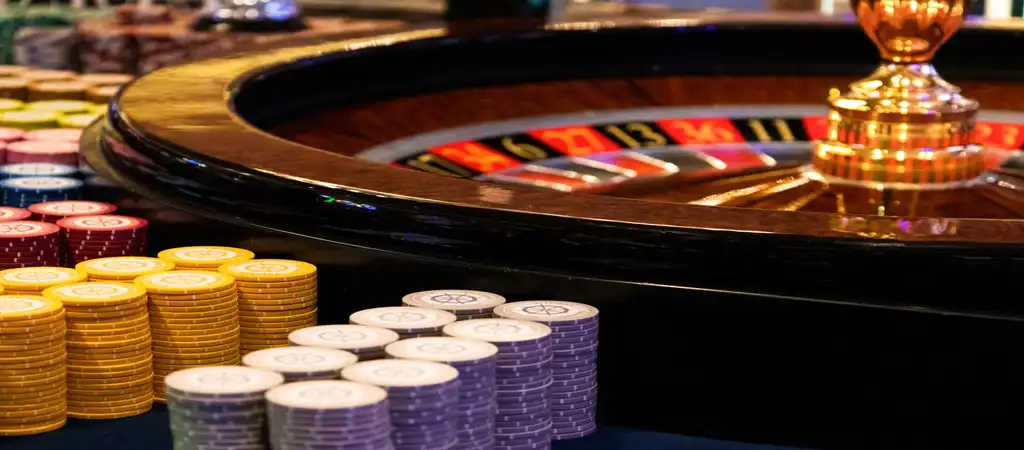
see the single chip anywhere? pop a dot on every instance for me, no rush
(123, 267)
(547, 311)
(8, 214)
(105, 79)
(26, 229)
(263, 270)
(37, 184)
(38, 278)
(205, 256)
(400, 373)
(454, 300)
(37, 170)
(59, 106)
(27, 307)
(402, 318)
(300, 360)
(102, 223)
(55, 134)
(10, 134)
(219, 381)
(326, 395)
(441, 349)
(78, 120)
(498, 330)
(30, 120)
(185, 282)
(93, 294)
(10, 104)
(72, 208)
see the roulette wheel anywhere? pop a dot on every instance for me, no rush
(777, 257)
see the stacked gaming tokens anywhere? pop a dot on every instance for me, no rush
(466, 305)
(37, 170)
(523, 377)
(220, 407)
(110, 366)
(71, 135)
(29, 120)
(54, 152)
(21, 192)
(99, 236)
(275, 297)
(25, 243)
(9, 214)
(573, 392)
(301, 363)
(367, 343)
(32, 370)
(204, 257)
(122, 268)
(407, 321)
(476, 362)
(54, 211)
(34, 280)
(422, 396)
(328, 414)
(194, 318)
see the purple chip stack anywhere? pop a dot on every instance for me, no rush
(573, 392)
(328, 414)
(523, 420)
(422, 396)
(476, 362)
(466, 305)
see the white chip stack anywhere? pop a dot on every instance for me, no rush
(466, 305)
(367, 343)
(328, 414)
(301, 363)
(407, 321)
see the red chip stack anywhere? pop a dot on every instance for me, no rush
(42, 152)
(102, 236)
(55, 135)
(8, 214)
(25, 243)
(54, 211)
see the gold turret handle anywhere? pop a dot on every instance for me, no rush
(910, 31)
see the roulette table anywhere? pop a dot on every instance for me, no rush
(702, 180)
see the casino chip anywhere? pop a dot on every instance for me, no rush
(204, 257)
(122, 268)
(525, 414)
(62, 107)
(9, 214)
(367, 343)
(301, 363)
(29, 120)
(10, 134)
(103, 235)
(422, 398)
(464, 304)
(275, 297)
(78, 120)
(37, 170)
(34, 280)
(574, 328)
(407, 321)
(476, 362)
(25, 243)
(108, 349)
(25, 191)
(54, 152)
(32, 365)
(194, 319)
(54, 211)
(220, 407)
(328, 414)
(55, 134)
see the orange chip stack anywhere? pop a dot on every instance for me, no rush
(32, 370)
(275, 297)
(110, 365)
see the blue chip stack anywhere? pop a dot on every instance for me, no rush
(422, 396)
(37, 170)
(476, 362)
(328, 414)
(573, 392)
(523, 377)
(25, 191)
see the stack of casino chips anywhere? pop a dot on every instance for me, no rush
(32, 365)
(422, 396)
(523, 418)
(110, 364)
(220, 407)
(194, 319)
(367, 343)
(25, 243)
(301, 363)
(54, 211)
(476, 362)
(207, 257)
(61, 107)
(101, 236)
(34, 280)
(328, 414)
(466, 305)
(71, 135)
(573, 392)
(407, 321)
(53, 152)
(9, 214)
(37, 170)
(25, 191)
(29, 120)
(275, 297)
(122, 268)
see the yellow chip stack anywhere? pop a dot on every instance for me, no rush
(194, 320)
(32, 387)
(204, 257)
(122, 268)
(110, 366)
(32, 280)
(275, 297)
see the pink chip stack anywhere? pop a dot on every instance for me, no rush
(55, 152)
(10, 214)
(54, 135)
(54, 211)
